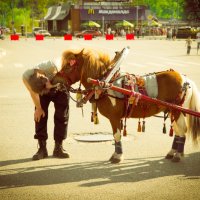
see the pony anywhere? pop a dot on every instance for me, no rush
(172, 87)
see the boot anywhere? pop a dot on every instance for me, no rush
(58, 151)
(42, 151)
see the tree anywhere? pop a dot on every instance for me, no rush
(4, 13)
(192, 10)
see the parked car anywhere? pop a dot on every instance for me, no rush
(88, 32)
(5, 30)
(186, 31)
(43, 32)
(35, 30)
(2, 37)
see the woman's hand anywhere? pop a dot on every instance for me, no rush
(39, 112)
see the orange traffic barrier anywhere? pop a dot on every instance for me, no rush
(39, 37)
(14, 37)
(88, 37)
(68, 37)
(130, 36)
(109, 36)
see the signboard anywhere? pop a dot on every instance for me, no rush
(109, 14)
(112, 0)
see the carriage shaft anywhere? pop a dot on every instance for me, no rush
(143, 97)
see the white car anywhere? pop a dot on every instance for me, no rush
(35, 30)
(43, 32)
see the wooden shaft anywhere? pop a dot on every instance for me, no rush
(144, 97)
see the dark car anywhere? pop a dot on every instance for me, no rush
(88, 32)
(185, 32)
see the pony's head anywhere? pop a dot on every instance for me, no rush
(70, 67)
(83, 64)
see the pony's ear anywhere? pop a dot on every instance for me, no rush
(81, 53)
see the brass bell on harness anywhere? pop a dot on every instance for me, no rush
(94, 115)
(79, 97)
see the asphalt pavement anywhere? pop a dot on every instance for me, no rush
(87, 174)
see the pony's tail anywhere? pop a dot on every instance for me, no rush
(194, 122)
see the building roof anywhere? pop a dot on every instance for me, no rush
(51, 12)
(58, 12)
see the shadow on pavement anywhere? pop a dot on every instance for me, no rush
(100, 173)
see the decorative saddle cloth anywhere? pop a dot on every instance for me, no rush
(146, 85)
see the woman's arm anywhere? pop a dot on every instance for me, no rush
(39, 112)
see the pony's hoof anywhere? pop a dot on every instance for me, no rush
(168, 156)
(116, 158)
(113, 156)
(115, 161)
(176, 159)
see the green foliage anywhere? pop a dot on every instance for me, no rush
(167, 9)
(28, 11)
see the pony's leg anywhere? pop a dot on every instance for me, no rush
(173, 150)
(117, 156)
(178, 144)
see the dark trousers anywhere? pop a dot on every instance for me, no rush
(61, 115)
(188, 49)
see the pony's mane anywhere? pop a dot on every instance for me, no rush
(96, 63)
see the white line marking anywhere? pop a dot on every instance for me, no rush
(156, 64)
(135, 64)
(3, 96)
(171, 64)
(2, 52)
(167, 59)
(18, 65)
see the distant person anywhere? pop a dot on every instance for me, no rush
(198, 41)
(174, 33)
(170, 34)
(189, 44)
(109, 31)
(122, 32)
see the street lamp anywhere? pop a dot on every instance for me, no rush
(12, 5)
(177, 13)
(137, 15)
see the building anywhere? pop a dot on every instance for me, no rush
(68, 17)
(58, 18)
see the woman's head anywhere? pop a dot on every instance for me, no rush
(39, 82)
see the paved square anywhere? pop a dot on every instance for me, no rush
(144, 174)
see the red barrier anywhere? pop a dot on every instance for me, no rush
(39, 37)
(130, 36)
(14, 37)
(68, 37)
(109, 37)
(88, 37)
